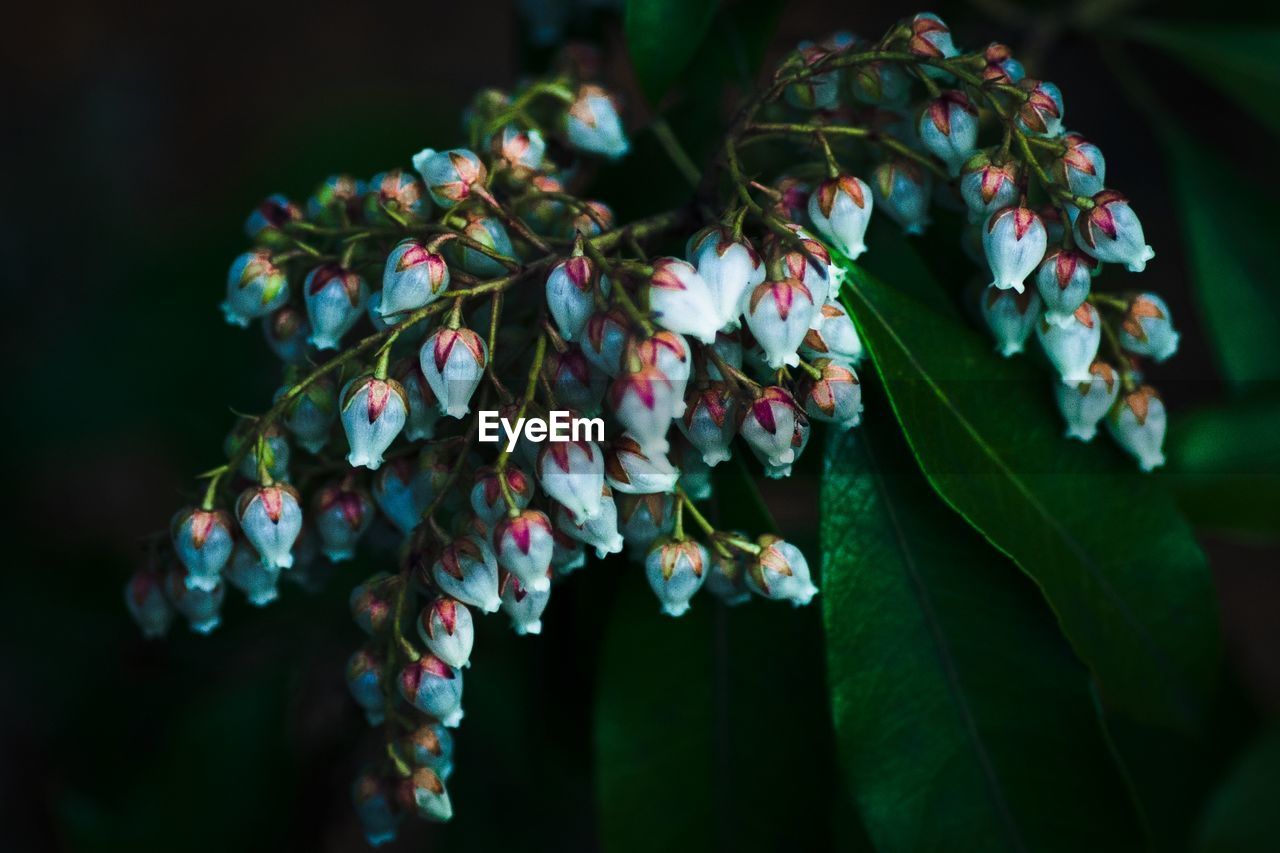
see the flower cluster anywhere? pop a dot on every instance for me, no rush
(405, 308)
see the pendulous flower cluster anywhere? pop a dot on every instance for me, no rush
(480, 280)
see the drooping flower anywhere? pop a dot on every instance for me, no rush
(571, 294)
(342, 512)
(1072, 347)
(468, 571)
(710, 421)
(201, 606)
(1041, 113)
(572, 473)
(372, 602)
(424, 792)
(1063, 281)
(255, 288)
(949, 129)
(453, 362)
(681, 301)
(676, 569)
(840, 208)
(523, 546)
(434, 688)
(1147, 329)
(447, 630)
(987, 186)
(271, 519)
(1111, 232)
(365, 672)
(729, 266)
(523, 604)
(592, 124)
(374, 412)
(144, 596)
(451, 176)
(604, 340)
(1010, 315)
(768, 422)
(1081, 168)
(629, 469)
(202, 540)
(835, 337)
(600, 531)
(642, 400)
(334, 297)
(780, 572)
(835, 396)
(901, 189)
(779, 314)
(1138, 423)
(1014, 242)
(395, 194)
(414, 277)
(1085, 404)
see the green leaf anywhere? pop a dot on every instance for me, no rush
(1242, 816)
(1244, 64)
(963, 720)
(663, 37)
(1110, 552)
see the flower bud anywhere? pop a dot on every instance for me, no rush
(266, 224)
(468, 571)
(676, 570)
(144, 596)
(1041, 113)
(447, 631)
(883, 84)
(430, 745)
(453, 362)
(1137, 423)
(780, 572)
(949, 129)
(987, 187)
(728, 347)
(643, 400)
(835, 337)
(809, 261)
(779, 314)
(567, 556)
(588, 219)
(541, 213)
(710, 422)
(277, 449)
(1081, 168)
(520, 151)
(835, 397)
(378, 819)
(523, 605)
(271, 519)
(799, 441)
(255, 288)
(373, 601)
(1112, 233)
(424, 792)
(310, 415)
(604, 340)
(599, 531)
(768, 423)
(201, 606)
(399, 192)
(642, 518)
(572, 472)
(840, 208)
(202, 539)
(339, 198)
(486, 495)
(1010, 315)
(681, 301)
(793, 198)
(631, 470)
(1084, 404)
(400, 494)
(816, 91)
(1147, 329)
(434, 688)
(424, 408)
(254, 576)
(414, 276)
(592, 125)
(574, 381)
(523, 545)
(1072, 346)
(286, 332)
(1063, 280)
(931, 39)
(901, 189)
(373, 413)
(342, 513)
(490, 233)
(335, 298)
(1014, 242)
(1002, 68)
(571, 287)
(365, 671)
(727, 576)
(451, 176)
(729, 267)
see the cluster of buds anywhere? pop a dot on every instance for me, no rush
(416, 313)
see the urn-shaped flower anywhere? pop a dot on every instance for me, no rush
(271, 519)
(453, 362)
(373, 413)
(840, 209)
(335, 298)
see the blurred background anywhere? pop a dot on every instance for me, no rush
(136, 143)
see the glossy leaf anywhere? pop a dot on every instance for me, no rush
(663, 37)
(1108, 549)
(962, 718)
(1242, 817)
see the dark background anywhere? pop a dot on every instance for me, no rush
(134, 146)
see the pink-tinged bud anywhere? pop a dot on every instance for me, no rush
(836, 337)
(681, 301)
(487, 500)
(453, 362)
(541, 213)
(339, 197)
(447, 630)
(342, 513)
(901, 189)
(780, 572)
(779, 314)
(1010, 315)
(768, 424)
(310, 415)
(710, 422)
(374, 412)
(468, 571)
(835, 397)
(572, 472)
(365, 672)
(1084, 404)
(144, 596)
(949, 129)
(518, 150)
(729, 267)
(202, 539)
(524, 605)
(1002, 68)
(252, 575)
(1081, 168)
(840, 208)
(571, 287)
(589, 219)
(271, 518)
(334, 298)
(371, 796)
(931, 39)
(434, 688)
(567, 556)
(401, 493)
(727, 578)
(424, 793)
(631, 470)
(413, 277)
(200, 606)
(642, 518)
(1041, 113)
(799, 441)
(1112, 233)
(266, 223)
(987, 187)
(817, 91)
(1147, 330)
(604, 340)
(277, 449)
(490, 233)
(399, 192)
(1072, 347)
(523, 546)
(810, 262)
(255, 288)
(880, 84)
(600, 531)
(643, 400)
(424, 408)
(286, 332)
(373, 601)
(451, 176)
(1137, 423)
(592, 125)
(1014, 242)
(793, 198)
(430, 745)
(574, 380)
(669, 353)
(676, 570)
(1063, 280)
